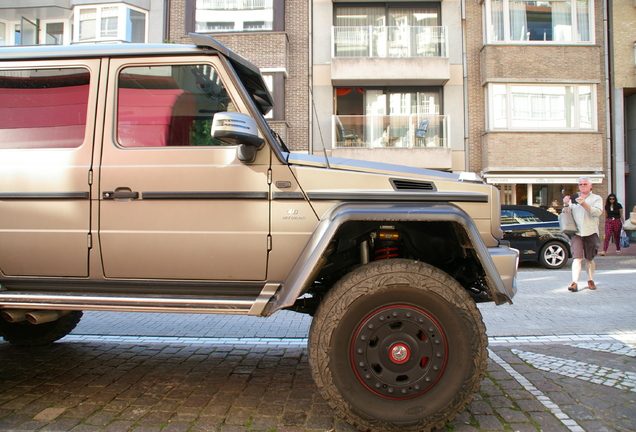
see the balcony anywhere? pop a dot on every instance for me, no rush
(405, 55)
(389, 42)
(419, 140)
(392, 131)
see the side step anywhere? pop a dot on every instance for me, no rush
(132, 303)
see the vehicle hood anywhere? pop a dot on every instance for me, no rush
(368, 167)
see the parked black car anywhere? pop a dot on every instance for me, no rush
(535, 232)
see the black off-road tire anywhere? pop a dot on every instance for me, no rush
(553, 255)
(35, 335)
(397, 345)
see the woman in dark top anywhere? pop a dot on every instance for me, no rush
(613, 223)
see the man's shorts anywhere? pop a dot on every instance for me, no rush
(584, 247)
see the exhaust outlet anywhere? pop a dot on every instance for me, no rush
(14, 315)
(44, 316)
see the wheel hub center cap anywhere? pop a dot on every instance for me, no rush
(399, 353)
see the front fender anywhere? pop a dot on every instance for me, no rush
(499, 264)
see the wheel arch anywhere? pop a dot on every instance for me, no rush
(495, 262)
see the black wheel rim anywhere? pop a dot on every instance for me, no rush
(399, 352)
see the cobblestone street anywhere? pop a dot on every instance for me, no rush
(118, 372)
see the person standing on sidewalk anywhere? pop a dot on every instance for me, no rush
(613, 223)
(586, 208)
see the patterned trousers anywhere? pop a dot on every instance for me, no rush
(613, 228)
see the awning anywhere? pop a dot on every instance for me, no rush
(537, 178)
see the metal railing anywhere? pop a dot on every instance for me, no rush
(234, 4)
(391, 131)
(389, 41)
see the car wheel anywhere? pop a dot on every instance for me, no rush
(34, 335)
(397, 345)
(553, 255)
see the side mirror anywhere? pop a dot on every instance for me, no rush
(237, 129)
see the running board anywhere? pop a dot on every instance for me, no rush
(132, 303)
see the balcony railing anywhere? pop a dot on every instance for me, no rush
(389, 41)
(234, 4)
(391, 131)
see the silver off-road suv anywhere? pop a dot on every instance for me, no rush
(145, 178)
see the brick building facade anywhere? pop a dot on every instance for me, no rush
(537, 158)
(283, 52)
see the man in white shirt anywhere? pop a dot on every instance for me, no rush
(586, 209)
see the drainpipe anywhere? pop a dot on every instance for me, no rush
(608, 104)
(465, 84)
(310, 80)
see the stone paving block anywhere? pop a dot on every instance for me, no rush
(155, 418)
(466, 428)
(133, 413)
(49, 414)
(30, 425)
(101, 418)
(81, 411)
(238, 416)
(480, 407)
(261, 423)
(491, 390)
(500, 402)
(531, 405)
(512, 416)
(489, 423)
(293, 418)
(545, 420)
(119, 426)
(523, 427)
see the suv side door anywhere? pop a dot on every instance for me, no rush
(47, 112)
(175, 203)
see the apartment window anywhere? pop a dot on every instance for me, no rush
(110, 23)
(54, 33)
(387, 30)
(389, 117)
(3, 34)
(87, 24)
(275, 82)
(215, 16)
(524, 21)
(542, 107)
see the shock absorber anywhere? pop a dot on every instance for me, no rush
(387, 244)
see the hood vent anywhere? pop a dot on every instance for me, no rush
(412, 185)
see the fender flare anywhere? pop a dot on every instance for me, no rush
(312, 257)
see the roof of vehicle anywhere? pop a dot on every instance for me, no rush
(250, 74)
(541, 213)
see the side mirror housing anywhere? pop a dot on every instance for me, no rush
(237, 129)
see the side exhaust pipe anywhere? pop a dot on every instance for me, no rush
(44, 316)
(14, 315)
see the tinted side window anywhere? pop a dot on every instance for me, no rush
(169, 105)
(43, 108)
(522, 216)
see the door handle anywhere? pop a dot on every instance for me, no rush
(120, 193)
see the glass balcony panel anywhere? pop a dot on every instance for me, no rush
(390, 41)
(391, 131)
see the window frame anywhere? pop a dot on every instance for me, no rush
(278, 23)
(117, 123)
(71, 121)
(491, 107)
(277, 90)
(123, 32)
(489, 32)
(3, 34)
